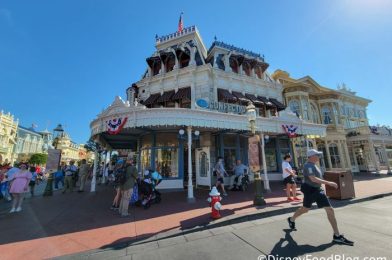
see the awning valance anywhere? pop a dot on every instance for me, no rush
(240, 97)
(266, 101)
(182, 94)
(224, 94)
(166, 96)
(151, 99)
(254, 99)
(278, 104)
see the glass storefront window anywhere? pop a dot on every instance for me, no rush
(145, 158)
(166, 162)
(270, 155)
(335, 158)
(230, 140)
(229, 159)
(147, 141)
(167, 139)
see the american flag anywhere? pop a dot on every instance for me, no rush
(180, 24)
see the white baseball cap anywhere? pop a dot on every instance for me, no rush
(313, 152)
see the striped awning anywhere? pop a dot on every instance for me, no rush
(266, 101)
(151, 99)
(224, 94)
(182, 94)
(254, 99)
(278, 104)
(166, 96)
(240, 97)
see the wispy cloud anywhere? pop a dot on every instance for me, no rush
(6, 16)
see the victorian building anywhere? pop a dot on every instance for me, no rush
(350, 144)
(8, 130)
(69, 149)
(189, 108)
(28, 143)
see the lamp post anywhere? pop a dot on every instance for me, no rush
(251, 114)
(49, 185)
(191, 137)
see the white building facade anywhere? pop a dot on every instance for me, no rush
(189, 109)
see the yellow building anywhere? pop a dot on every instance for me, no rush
(342, 111)
(8, 130)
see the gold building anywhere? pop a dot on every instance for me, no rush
(8, 130)
(351, 144)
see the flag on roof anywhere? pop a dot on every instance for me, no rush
(180, 23)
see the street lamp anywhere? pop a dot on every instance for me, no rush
(191, 137)
(49, 185)
(251, 114)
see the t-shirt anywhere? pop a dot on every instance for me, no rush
(286, 165)
(240, 169)
(220, 170)
(311, 169)
(34, 176)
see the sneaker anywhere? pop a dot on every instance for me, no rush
(225, 194)
(342, 240)
(12, 210)
(18, 209)
(290, 199)
(291, 223)
(296, 198)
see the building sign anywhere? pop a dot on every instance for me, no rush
(254, 153)
(223, 107)
(53, 161)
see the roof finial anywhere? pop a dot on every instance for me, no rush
(215, 39)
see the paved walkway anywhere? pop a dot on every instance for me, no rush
(364, 223)
(76, 222)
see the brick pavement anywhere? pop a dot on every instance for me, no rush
(76, 222)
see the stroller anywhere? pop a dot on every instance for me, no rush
(148, 193)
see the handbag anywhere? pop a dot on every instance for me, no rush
(135, 194)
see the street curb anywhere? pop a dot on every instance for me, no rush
(218, 223)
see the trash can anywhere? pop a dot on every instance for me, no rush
(345, 183)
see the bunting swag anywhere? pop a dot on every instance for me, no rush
(290, 130)
(115, 125)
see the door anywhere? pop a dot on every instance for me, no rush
(203, 169)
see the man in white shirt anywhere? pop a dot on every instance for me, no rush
(239, 170)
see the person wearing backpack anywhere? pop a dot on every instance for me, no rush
(127, 181)
(118, 172)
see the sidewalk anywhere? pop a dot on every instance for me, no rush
(77, 222)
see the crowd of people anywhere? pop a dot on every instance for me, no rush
(17, 180)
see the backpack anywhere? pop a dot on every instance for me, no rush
(121, 178)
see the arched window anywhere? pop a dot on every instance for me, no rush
(305, 110)
(259, 72)
(246, 68)
(183, 59)
(335, 158)
(170, 62)
(314, 115)
(234, 64)
(327, 117)
(294, 107)
(156, 68)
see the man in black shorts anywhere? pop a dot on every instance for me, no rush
(313, 192)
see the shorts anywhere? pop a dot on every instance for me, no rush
(32, 183)
(220, 180)
(312, 194)
(289, 180)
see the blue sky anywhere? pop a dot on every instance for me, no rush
(64, 61)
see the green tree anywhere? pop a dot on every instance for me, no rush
(38, 158)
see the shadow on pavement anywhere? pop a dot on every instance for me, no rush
(288, 247)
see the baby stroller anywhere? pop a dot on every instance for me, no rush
(148, 194)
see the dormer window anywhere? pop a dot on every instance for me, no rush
(234, 65)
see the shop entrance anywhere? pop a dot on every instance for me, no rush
(203, 167)
(186, 167)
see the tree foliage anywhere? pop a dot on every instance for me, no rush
(38, 158)
(91, 146)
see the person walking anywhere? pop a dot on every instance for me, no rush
(83, 173)
(59, 178)
(220, 174)
(288, 175)
(70, 171)
(117, 172)
(32, 183)
(239, 170)
(127, 187)
(313, 192)
(19, 185)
